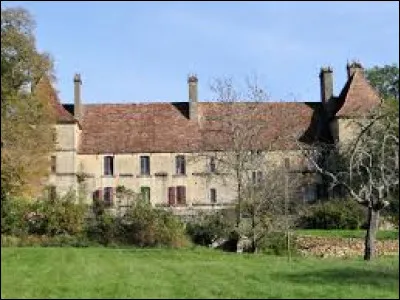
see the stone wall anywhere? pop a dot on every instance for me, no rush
(342, 247)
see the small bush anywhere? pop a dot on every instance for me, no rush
(334, 214)
(14, 212)
(276, 243)
(61, 216)
(145, 226)
(102, 229)
(209, 227)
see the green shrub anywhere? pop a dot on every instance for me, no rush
(60, 216)
(102, 229)
(209, 227)
(334, 214)
(14, 213)
(145, 226)
(276, 243)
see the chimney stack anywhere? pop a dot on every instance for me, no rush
(326, 79)
(192, 82)
(353, 67)
(77, 97)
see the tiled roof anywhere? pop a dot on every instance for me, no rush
(357, 98)
(165, 127)
(45, 86)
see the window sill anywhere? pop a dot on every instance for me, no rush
(126, 175)
(208, 174)
(144, 176)
(107, 176)
(179, 175)
(161, 174)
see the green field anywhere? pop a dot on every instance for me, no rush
(198, 273)
(380, 235)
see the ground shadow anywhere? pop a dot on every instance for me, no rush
(346, 276)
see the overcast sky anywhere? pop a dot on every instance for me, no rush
(144, 51)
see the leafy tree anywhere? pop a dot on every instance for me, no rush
(27, 135)
(385, 80)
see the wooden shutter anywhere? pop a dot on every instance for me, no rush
(181, 191)
(171, 195)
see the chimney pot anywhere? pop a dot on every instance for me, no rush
(326, 80)
(77, 97)
(353, 67)
(193, 95)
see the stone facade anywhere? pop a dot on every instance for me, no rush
(86, 134)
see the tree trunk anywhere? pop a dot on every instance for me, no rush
(239, 208)
(253, 229)
(370, 237)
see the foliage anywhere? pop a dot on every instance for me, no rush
(60, 216)
(27, 137)
(42, 217)
(144, 226)
(13, 216)
(385, 80)
(334, 214)
(102, 229)
(276, 243)
(207, 228)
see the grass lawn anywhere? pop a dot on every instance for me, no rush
(381, 235)
(199, 273)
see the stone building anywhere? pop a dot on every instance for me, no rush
(149, 147)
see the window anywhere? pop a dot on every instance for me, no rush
(255, 155)
(145, 165)
(180, 165)
(256, 177)
(97, 195)
(53, 164)
(171, 196)
(309, 193)
(109, 165)
(180, 195)
(213, 195)
(108, 196)
(287, 163)
(177, 195)
(212, 165)
(145, 192)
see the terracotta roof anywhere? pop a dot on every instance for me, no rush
(357, 98)
(45, 86)
(165, 127)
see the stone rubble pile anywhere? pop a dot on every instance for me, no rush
(342, 247)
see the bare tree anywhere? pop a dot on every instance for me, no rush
(267, 201)
(367, 168)
(232, 132)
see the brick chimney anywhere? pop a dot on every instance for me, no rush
(77, 97)
(326, 79)
(353, 67)
(192, 82)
